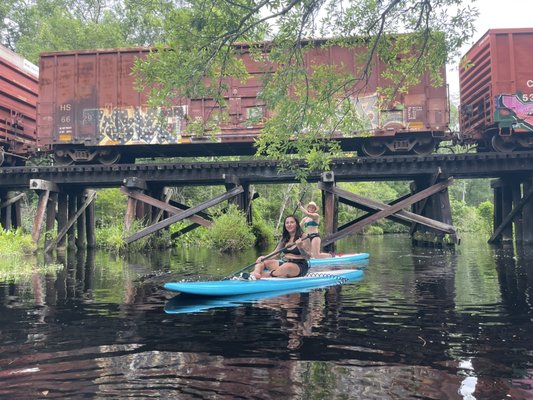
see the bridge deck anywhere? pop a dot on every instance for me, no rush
(483, 165)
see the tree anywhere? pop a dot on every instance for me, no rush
(200, 52)
(32, 27)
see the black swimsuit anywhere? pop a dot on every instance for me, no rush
(301, 263)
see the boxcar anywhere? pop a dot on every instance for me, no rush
(18, 107)
(90, 111)
(496, 91)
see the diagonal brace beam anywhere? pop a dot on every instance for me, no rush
(185, 214)
(402, 215)
(162, 205)
(389, 210)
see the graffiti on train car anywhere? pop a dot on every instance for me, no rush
(400, 117)
(512, 111)
(135, 125)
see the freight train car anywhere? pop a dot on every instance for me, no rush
(18, 107)
(496, 91)
(89, 111)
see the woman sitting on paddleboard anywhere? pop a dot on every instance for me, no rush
(294, 260)
(311, 222)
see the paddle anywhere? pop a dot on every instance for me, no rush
(274, 253)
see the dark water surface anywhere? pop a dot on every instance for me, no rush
(422, 324)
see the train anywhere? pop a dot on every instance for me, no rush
(19, 85)
(496, 92)
(88, 110)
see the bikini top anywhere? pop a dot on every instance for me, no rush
(311, 222)
(295, 250)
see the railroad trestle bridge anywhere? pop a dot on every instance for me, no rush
(66, 193)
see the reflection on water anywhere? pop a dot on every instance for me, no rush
(421, 324)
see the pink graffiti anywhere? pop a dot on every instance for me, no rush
(523, 112)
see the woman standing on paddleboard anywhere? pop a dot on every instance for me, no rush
(311, 222)
(295, 254)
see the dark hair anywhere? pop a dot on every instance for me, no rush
(285, 235)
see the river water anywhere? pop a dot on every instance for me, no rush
(421, 324)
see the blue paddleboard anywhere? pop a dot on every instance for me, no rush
(238, 287)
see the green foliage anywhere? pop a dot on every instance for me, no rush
(15, 243)
(264, 234)
(110, 207)
(113, 238)
(471, 191)
(466, 218)
(486, 212)
(230, 232)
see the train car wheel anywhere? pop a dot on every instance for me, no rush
(62, 159)
(108, 157)
(503, 144)
(424, 148)
(373, 148)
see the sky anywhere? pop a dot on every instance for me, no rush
(493, 14)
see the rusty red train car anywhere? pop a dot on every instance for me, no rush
(19, 83)
(90, 111)
(496, 91)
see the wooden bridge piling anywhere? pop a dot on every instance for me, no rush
(330, 203)
(10, 214)
(69, 208)
(435, 207)
(513, 209)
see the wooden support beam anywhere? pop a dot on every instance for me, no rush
(90, 196)
(375, 205)
(62, 217)
(527, 214)
(516, 194)
(44, 187)
(39, 215)
(181, 206)
(90, 225)
(389, 210)
(72, 211)
(330, 201)
(167, 195)
(510, 216)
(81, 223)
(422, 205)
(184, 214)
(162, 205)
(184, 231)
(507, 208)
(12, 200)
(51, 211)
